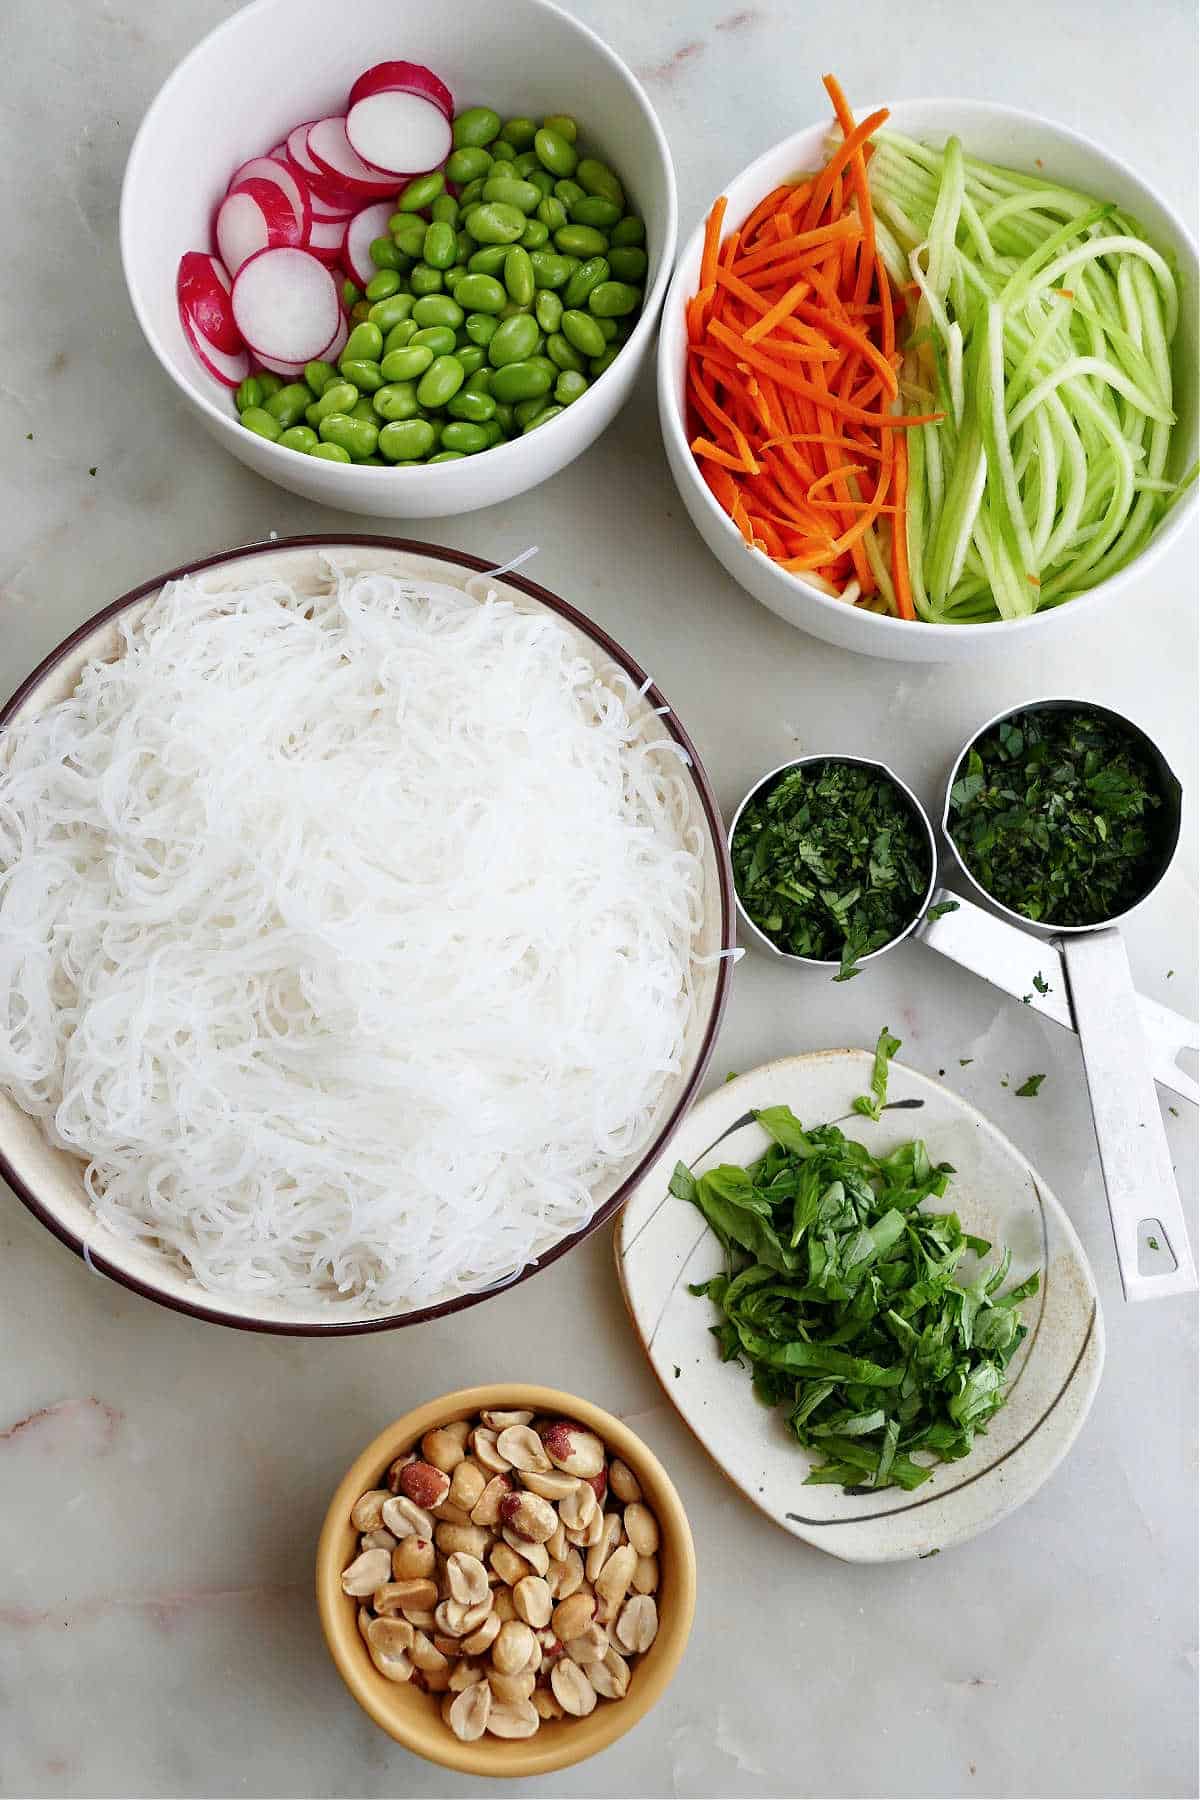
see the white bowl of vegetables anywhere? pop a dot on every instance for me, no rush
(1044, 301)
(324, 200)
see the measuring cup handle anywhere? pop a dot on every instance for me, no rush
(1134, 1156)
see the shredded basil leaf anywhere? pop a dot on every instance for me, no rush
(1028, 1089)
(942, 906)
(871, 1105)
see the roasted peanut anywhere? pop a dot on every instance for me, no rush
(577, 1508)
(510, 1567)
(377, 1540)
(565, 1575)
(367, 1512)
(574, 1450)
(610, 1677)
(612, 1583)
(571, 1688)
(512, 1719)
(442, 1450)
(472, 1539)
(599, 1552)
(502, 1604)
(500, 1421)
(590, 1646)
(514, 1646)
(391, 1637)
(641, 1528)
(536, 1555)
(466, 1485)
(482, 1640)
(486, 1510)
(545, 1705)
(553, 1485)
(468, 1578)
(426, 1656)
(533, 1600)
(404, 1518)
(469, 1712)
(645, 1576)
(414, 1557)
(465, 1674)
(522, 1449)
(424, 1485)
(512, 1687)
(557, 1546)
(484, 1450)
(572, 1616)
(624, 1483)
(392, 1668)
(393, 1474)
(446, 1513)
(637, 1624)
(367, 1572)
(417, 1595)
(529, 1516)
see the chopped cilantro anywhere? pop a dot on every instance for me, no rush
(965, 1061)
(677, 1369)
(1174, 1111)
(92, 470)
(1040, 983)
(943, 906)
(871, 1105)
(830, 862)
(1028, 1089)
(1153, 1243)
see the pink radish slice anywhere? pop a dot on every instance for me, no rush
(322, 209)
(289, 370)
(286, 304)
(326, 238)
(337, 344)
(294, 187)
(403, 78)
(361, 233)
(202, 289)
(256, 217)
(230, 371)
(329, 147)
(396, 132)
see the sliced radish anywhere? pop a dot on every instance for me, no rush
(323, 209)
(398, 132)
(326, 238)
(329, 194)
(289, 370)
(293, 186)
(286, 304)
(331, 149)
(338, 342)
(230, 371)
(256, 217)
(202, 289)
(403, 78)
(278, 153)
(361, 233)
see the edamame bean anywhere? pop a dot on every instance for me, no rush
(518, 276)
(270, 384)
(542, 180)
(289, 404)
(551, 270)
(351, 292)
(402, 333)
(494, 223)
(608, 328)
(468, 404)
(503, 151)
(547, 309)
(444, 210)
(552, 213)
(583, 333)
(440, 247)
(563, 354)
(481, 381)
(357, 436)
(526, 163)
(555, 153)
(364, 409)
(471, 194)
(505, 190)
(446, 456)
(504, 415)
(543, 418)
(535, 236)
(398, 400)
(318, 374)
(481, 327)
(250, 392)
(580, 240)
(495, 432)
(523, 381)
(467, 164)
(364, 374)
(471, 356)
(386, 313)
(481, 294)
(408, 233)
(515, 341)
(519, 133)
(331, 453)
(613, 299)
(365, 341)
(563, 123)
(444, 376)
(598, 364)
(299, 437)
(587, 276)
(631, 230)
(525, 410)
(380, 287)
(460, 434)
(488, 261)
(261, 423)
(438, 338)
(420, 192)
(437, 309)
(406, 364)
(385, 255)
(569, 386)
(475, 127)
(568, 192)
(425, 279)
(628, 263)
(338, 397)
(592, 210)
(595, 177)
(310, 416)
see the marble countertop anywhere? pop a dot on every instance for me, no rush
(162, 1481)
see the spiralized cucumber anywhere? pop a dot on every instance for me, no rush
(1042, 334)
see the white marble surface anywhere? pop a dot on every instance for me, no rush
(161, 1481)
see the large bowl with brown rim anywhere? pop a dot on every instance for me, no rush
(50, 1181)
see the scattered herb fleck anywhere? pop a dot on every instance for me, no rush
(830, 862)
(1028, 1089)
(1153, 1243)
(29, 437)
(1174, 1111)
(926, 1554)
(677, 1369)
(965, 1061)
(942, 906)
(871, 1105)
(846, 1300)
(1170, 972)
(941, 1072)
(1040, 983)
(1053, 813)
(1026, 999)
(92, 470)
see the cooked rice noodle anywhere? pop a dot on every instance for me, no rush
(346, 935)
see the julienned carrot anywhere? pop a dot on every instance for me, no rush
(792, 374)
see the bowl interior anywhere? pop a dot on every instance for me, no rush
(997, 134)
(412, 1717)
(215, 111)
(50, 1180)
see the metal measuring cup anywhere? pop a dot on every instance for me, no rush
(1125, 1038)
(920, 816)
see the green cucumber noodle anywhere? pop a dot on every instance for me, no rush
(1043, 335)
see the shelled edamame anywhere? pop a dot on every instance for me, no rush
(507, 283)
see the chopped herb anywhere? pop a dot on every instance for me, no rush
(29, 437)
(871, 1105)
(677, 1369)
(1028, 1089)
(965, 1061)
(847, 1303)
(830, 861)
(1026, 999)
(1174, 1111)
(1040, 983)
(92, 470)
(943, 906)
(926, 1554)
(732, 1076)
(1170, 972)
(1054, 815)
(1153, 1243)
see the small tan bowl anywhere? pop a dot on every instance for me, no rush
(413, 1718)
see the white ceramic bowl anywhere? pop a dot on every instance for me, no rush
(999, 134)
(279, 61)
(50, 1181)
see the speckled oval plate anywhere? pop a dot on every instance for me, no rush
(663, 1244)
